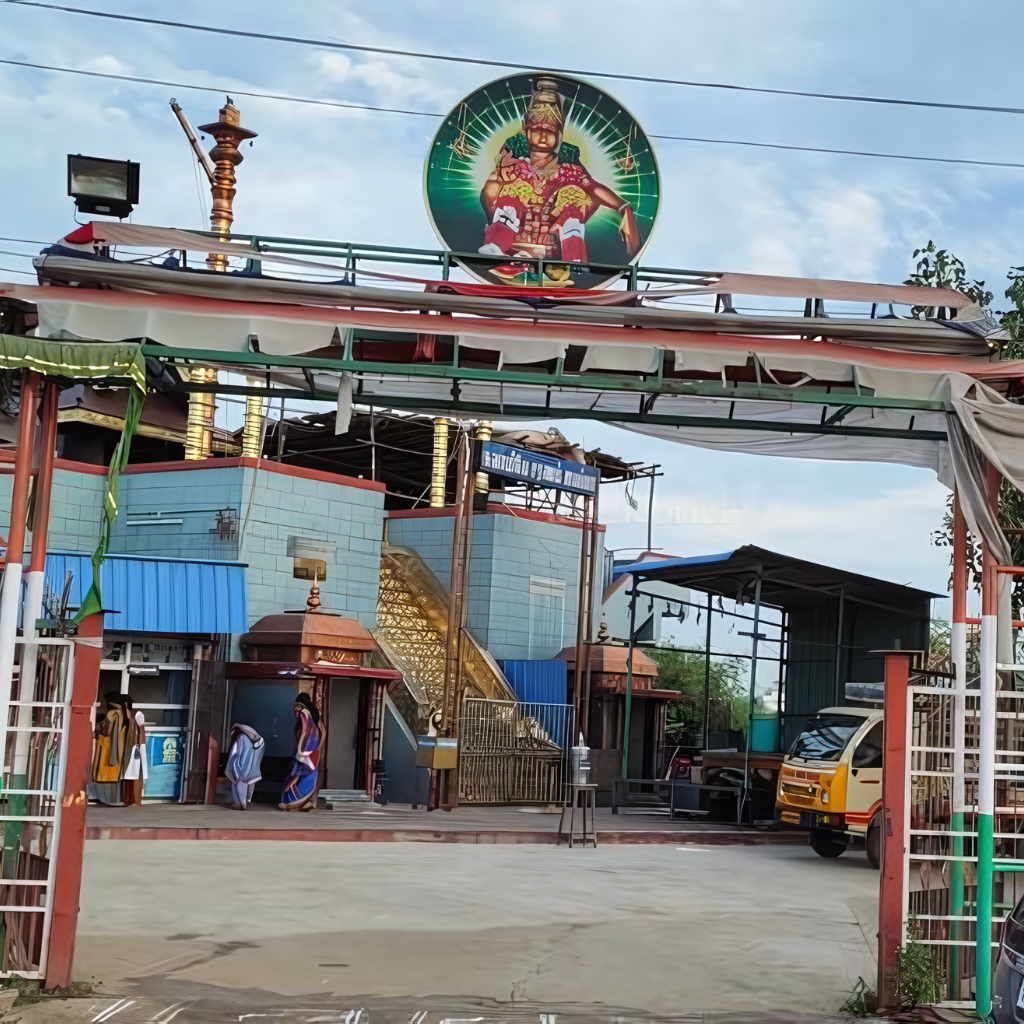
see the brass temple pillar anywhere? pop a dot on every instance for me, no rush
(201, 408)
(483, 481)
(228, 135)
(439, 467)
(252, 428)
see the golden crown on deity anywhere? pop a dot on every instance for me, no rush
(545, 106)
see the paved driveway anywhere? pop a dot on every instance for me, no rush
(659, 929)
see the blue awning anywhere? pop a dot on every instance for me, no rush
(656, 565)
(159, 595)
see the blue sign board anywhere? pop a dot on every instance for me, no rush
(165, 752)
(535, 468)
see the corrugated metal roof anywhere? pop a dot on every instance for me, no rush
(538, 682)
(726, 572)
(160, 595)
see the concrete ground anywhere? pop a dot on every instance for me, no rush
(359, 822)
(310, 931)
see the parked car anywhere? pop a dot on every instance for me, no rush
(831, 781)
(1007, 987)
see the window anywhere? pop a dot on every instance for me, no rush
(869, 751)
(547, 611)
(826, 737)
(310, 568)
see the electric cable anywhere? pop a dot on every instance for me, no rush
(217, 89)
(426, 113)
(422, 55)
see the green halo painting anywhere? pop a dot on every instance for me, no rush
(547, 169)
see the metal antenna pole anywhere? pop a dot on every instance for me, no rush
(629, 682)
(755, 637)
(707, 679)
(193, 140)
(650, 505)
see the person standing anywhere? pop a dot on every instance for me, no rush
(245, 755)
(299, 793)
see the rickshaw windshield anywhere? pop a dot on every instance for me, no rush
(826, 737)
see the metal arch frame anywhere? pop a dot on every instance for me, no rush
(646, 387)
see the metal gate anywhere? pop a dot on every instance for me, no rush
(942, 852)
(513, 751)
(35, 760)
(940, 878)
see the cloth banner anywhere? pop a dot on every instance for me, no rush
(82, 361)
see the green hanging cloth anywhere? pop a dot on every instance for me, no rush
(93, 600)
(88, 360)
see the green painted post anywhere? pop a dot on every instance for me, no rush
(983, 908)
(956, 902)
(986, 781)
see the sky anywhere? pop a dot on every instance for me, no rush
(357, 175)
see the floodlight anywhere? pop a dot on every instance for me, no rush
(103, 186)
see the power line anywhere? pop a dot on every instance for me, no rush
(426, 113)
(210, 88)
(391, 52)
(843, 152)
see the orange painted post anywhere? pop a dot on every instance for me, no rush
(894, 826)
(67, 884)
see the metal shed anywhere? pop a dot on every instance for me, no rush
(833, 619)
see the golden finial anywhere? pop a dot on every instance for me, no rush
(313, 601)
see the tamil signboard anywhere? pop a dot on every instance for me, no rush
(542, 166)
(535, 468)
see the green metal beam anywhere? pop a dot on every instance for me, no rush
(498, 410)
(652, 385)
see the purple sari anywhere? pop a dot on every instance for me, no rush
(300, 787)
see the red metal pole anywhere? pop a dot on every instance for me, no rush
(23, 465)
(894, 826)
(44, 480)
(71, 841)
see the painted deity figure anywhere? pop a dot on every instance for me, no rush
(539, 197)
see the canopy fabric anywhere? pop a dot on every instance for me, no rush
(137, 235)
(941, 337)
(193, 322)
(900, 359)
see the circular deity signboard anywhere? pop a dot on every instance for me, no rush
(542, 180)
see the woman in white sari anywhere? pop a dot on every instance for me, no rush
(245, 754)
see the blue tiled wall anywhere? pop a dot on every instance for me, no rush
(269, 507)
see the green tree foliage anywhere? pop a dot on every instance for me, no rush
(1012, 320)
(685, 671)
(1011, 519)
(939, 268)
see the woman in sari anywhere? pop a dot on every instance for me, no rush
(299, 793)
